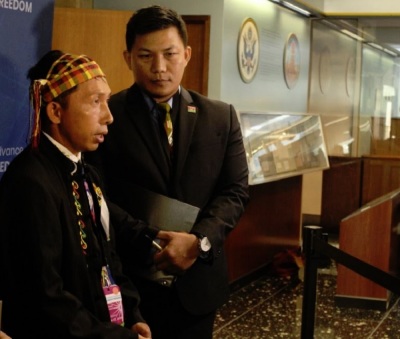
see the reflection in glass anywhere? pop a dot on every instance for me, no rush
(282, 145)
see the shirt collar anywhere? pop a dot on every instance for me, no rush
(64, 150)
(151, 103)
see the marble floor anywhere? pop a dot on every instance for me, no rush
(271, 307)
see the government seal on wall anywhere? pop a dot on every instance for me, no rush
(248, 49)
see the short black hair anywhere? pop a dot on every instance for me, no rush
(151, 19)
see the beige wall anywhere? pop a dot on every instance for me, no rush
(311, 195)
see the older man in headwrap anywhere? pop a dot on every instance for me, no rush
(60, 276)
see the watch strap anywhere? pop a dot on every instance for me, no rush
(204, 255)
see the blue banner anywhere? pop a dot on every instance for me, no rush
(25, 36)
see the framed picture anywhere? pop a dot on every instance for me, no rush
(291, 61)
(248, 50)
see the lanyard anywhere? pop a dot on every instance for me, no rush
(100, 233)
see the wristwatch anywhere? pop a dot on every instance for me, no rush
(204, 246)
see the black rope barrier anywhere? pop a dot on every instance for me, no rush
(315, 247)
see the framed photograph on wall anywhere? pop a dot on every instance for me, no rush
(248, 50)
(291, 61)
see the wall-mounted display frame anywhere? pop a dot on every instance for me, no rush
(281, 145)
(291, 61)
(248, 50)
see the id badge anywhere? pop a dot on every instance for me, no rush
(113, 297)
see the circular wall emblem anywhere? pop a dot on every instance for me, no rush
(248, 49)
(291, 61)
(350, 76)
(325, 71)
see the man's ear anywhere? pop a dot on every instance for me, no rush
(127, 58)
(188, 54)
(53, 110)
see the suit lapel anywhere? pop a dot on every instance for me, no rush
(187, 120)
(138, 113)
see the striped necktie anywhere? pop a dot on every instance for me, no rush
(166, 108)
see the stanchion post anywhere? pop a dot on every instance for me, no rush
(310, 281)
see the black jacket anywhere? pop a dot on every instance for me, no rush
(208, 169)
(49, 287)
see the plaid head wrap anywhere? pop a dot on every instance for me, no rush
(66, 72)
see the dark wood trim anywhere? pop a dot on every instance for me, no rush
(200, 44)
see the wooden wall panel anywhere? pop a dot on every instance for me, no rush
(370, 234)
(270, 223)
(196, 74)
(98, 33)
(101, 35)
(381, 175)
(341, 191)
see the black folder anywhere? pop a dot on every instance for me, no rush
(163, 212)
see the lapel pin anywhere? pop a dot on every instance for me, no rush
(192, 109)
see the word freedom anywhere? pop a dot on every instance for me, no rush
(17, 5)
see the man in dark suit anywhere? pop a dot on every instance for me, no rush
(203, 163)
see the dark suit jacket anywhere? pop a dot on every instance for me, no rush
(208, 169)
(49, 287)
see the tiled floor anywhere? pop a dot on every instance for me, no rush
(271, 307)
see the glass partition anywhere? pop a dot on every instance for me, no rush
(280, 145)
(355, 84)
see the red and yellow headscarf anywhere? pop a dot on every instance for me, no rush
(66, 72)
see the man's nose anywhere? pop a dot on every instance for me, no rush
(107, 116)
(159, 64)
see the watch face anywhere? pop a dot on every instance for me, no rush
(205, 244)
